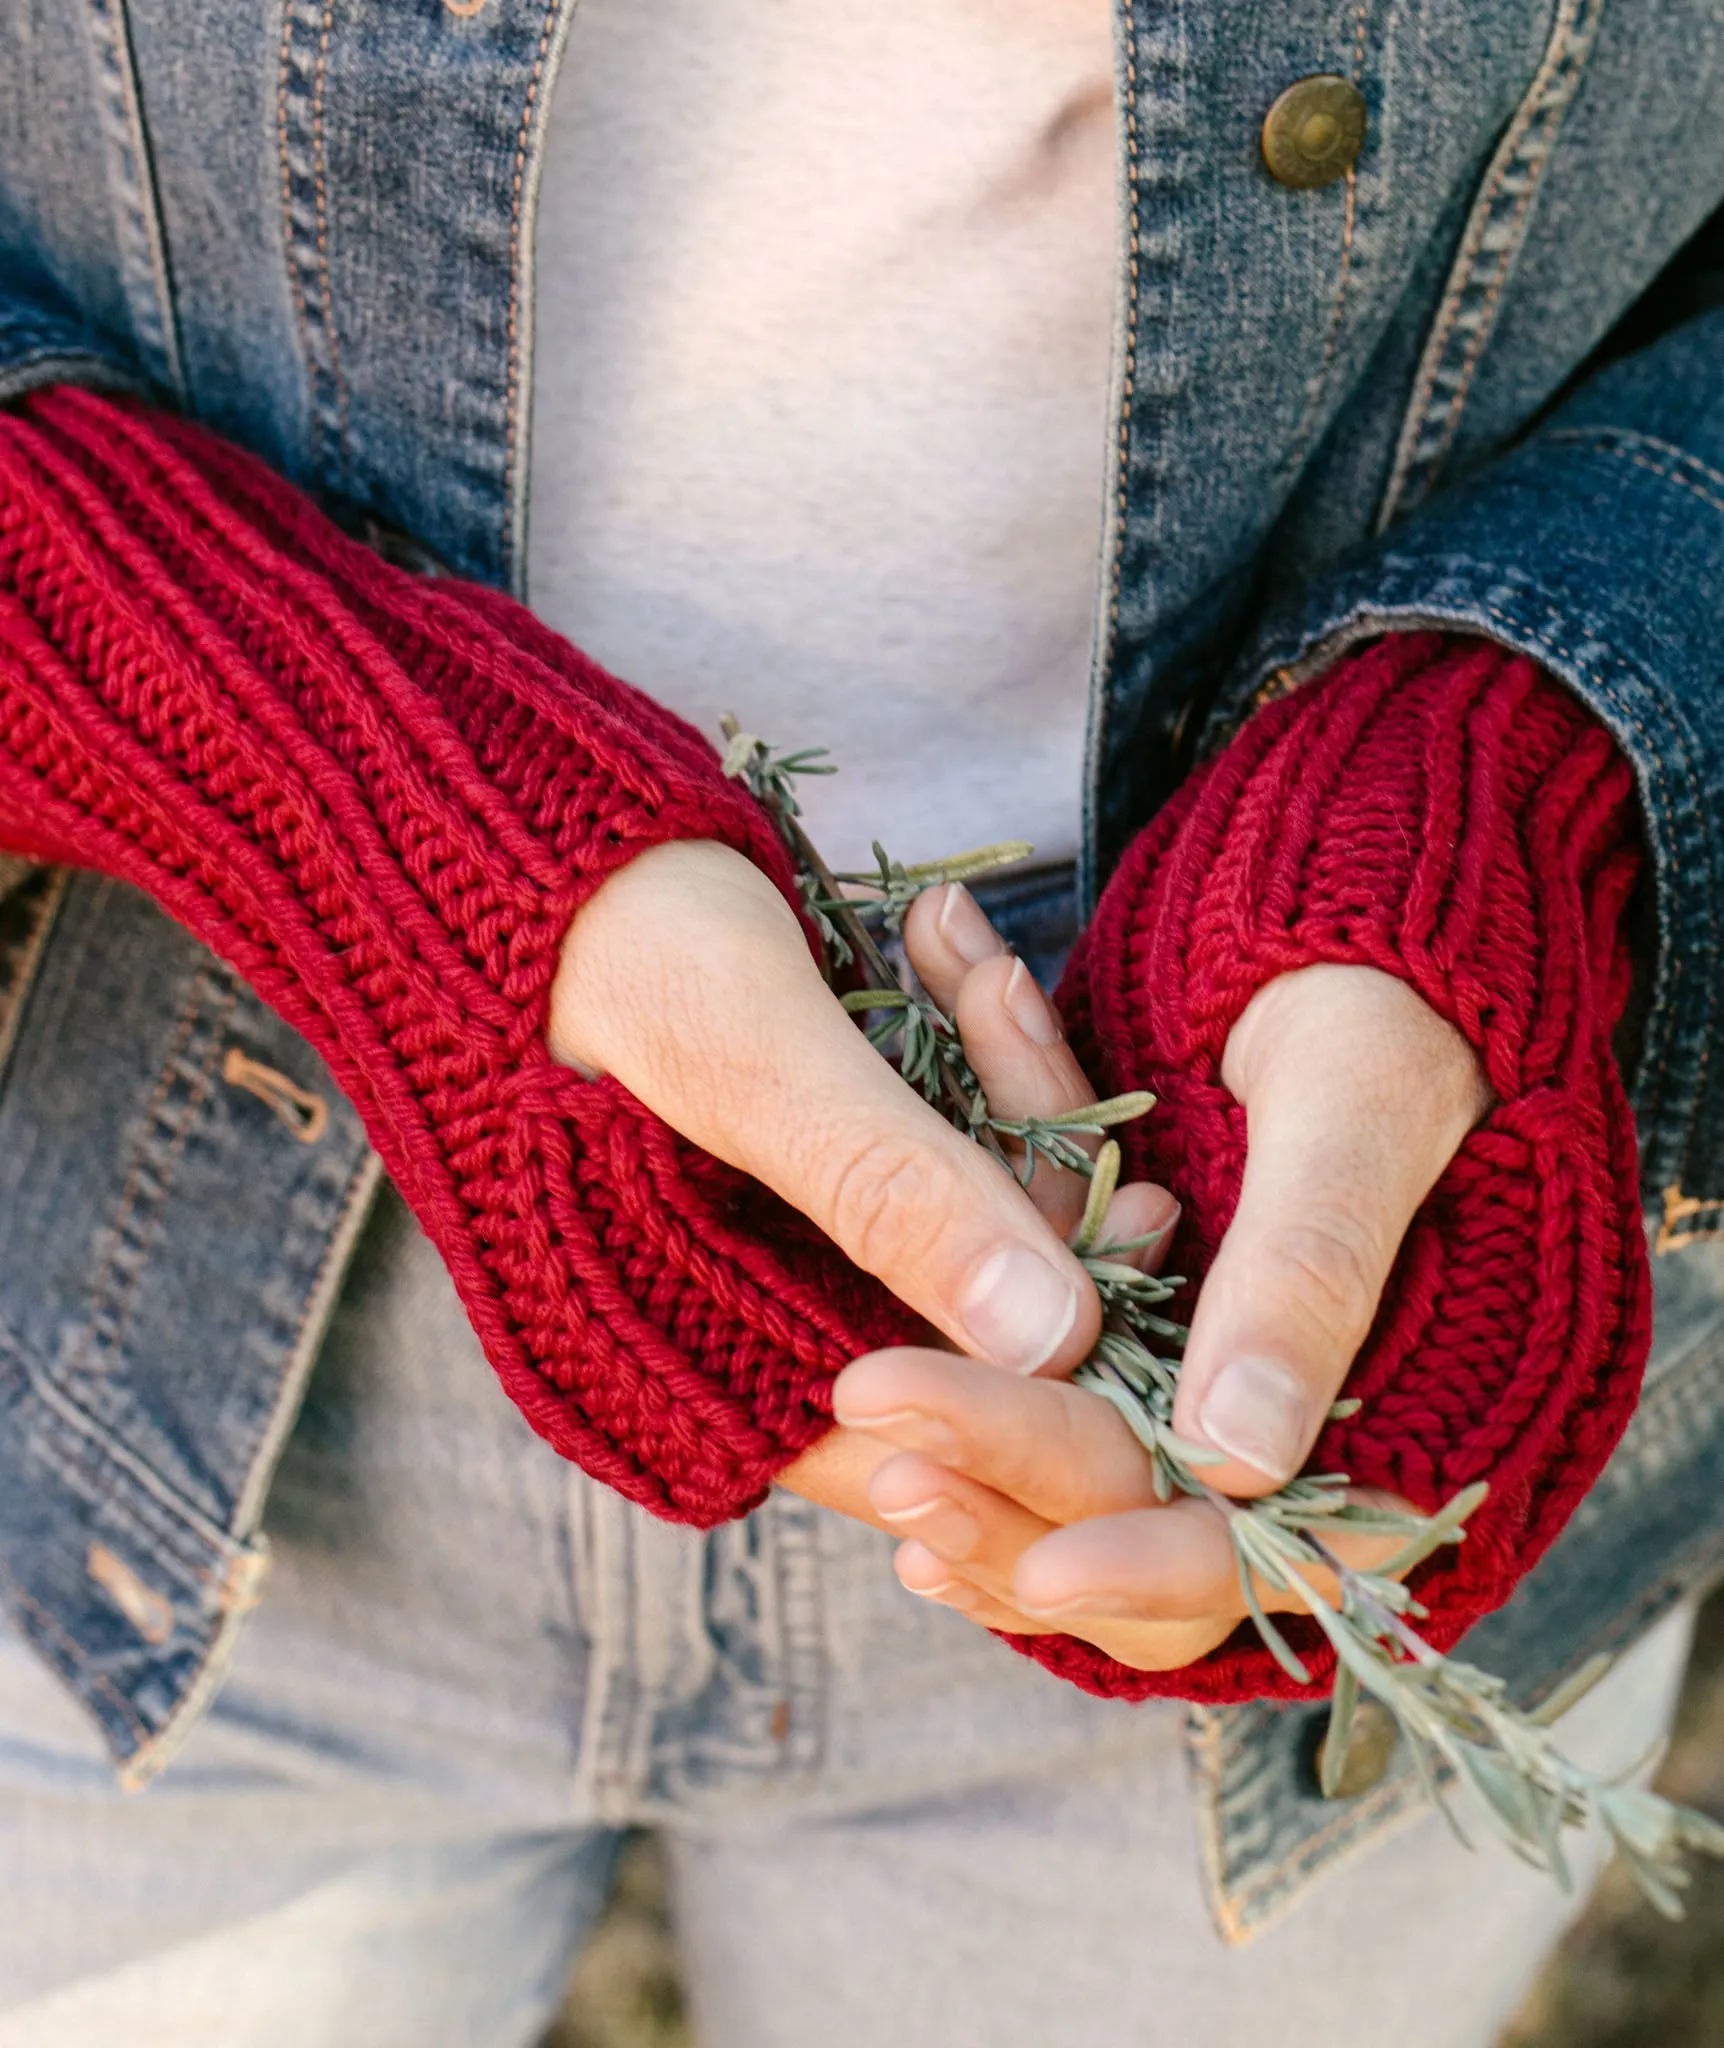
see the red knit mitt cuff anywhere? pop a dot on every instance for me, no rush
(1443, 811)
(382, 799)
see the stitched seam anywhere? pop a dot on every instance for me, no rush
(241, 1592)
(301, 83)
(1297, 1861)
(1232, 1902)
(1487, 313)
(1272, 1910)
(75, 1656)
(301, 322)
(1463, 276)
(1617, 440)
(1682, 483)
(1424, 389)
(517, 189)
(178, 1534)
(14, 999)
(104, 1285)
(1128, 379)
(1107, 651)
(115, 1296)
(85, 1455)
(167, 1174)
(321, 167)
(135, 191)
(1507, 158)
(1659, 469)
(1204, 1738)
(319, 1300)
(1313, 405)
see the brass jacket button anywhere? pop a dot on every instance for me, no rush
(1314, 132)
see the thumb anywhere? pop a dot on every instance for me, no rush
(1356, 1096)
(688, 980)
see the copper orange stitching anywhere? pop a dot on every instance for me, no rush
(1614, 440)
(287, 235)
(1552, 117)
(326, 291)
(1128, 378)
(514, 374)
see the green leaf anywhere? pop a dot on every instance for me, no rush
(1273, 1640)
(1344, 1704)
(1192, 1454)
(1504, 1793)
(1699, 1830)
(861, 999)
(1433, 1789)
(1443, 1527)
(1101, 1190)
(739, 749)
(1571, 1692)
(965, 867)
(1110, 1270)
(1142, 1425)
(1101, 1116)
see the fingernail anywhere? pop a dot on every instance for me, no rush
(963, 925)
(909, 1428)
(1158, 1233)
(1030, 1010)
(1256, 1411)
(1018, 1309)
(950, 1593)
(950, 1531)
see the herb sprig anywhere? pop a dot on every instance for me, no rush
(1457, 1721)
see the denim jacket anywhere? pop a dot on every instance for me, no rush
(1338, 410)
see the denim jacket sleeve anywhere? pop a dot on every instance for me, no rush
(1597, 547)
(41, 345)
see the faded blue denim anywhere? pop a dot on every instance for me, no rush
(311, 226)
(476, 1667)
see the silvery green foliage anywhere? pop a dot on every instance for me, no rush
(1457, 1721)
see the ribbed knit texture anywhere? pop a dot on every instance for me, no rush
(1445, 812)
(382, 799)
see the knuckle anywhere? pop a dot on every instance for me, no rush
(1329, 1263)
(875, 1200)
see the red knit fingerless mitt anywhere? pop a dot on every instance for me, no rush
(1443, 811)
(382, 800)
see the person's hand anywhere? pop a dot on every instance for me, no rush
(689, 979)
(1033, 1499)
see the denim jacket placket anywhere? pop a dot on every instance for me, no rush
(1292, 368)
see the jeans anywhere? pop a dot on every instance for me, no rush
(473, 1670)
